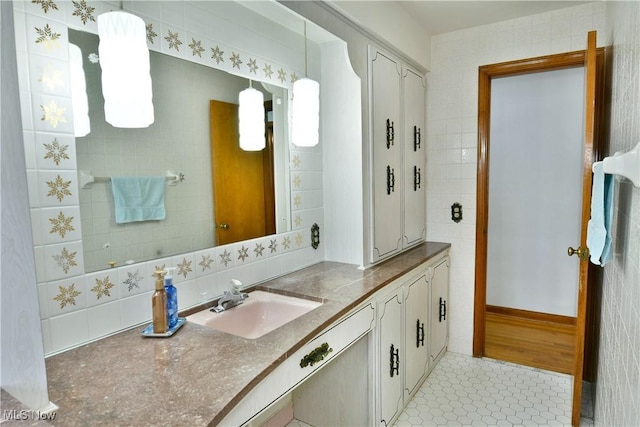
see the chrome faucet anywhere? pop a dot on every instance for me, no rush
(231, 298)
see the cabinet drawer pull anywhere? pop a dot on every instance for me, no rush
(416, 138)
(394, 361)
(315, 355)
(390, 133)
(419, 334)
(443, 310)
(391, 180)
(417, 178)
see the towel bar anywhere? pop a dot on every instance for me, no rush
(87, 180)
(624, 164)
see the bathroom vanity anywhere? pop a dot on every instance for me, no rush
(201, 376)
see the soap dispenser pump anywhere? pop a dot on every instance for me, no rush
(159, 305)
(172, 297)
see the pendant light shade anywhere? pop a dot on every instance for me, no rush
(79, 101)
(124, 59)
(251, 120)
(305, 113)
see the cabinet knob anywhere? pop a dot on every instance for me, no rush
(416, 138)
(223, 226)
(443, 310)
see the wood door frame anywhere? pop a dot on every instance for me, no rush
(485, 74)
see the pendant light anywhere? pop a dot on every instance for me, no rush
(124, 59)
(251, 119)
(306, 107)
(79, 101)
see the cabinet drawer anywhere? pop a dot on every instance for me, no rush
(290, 373)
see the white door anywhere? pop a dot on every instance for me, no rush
(416, 305)
(439, 309)
(390, 354)
(387, 155)
(414, 158)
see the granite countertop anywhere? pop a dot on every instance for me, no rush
(198, 375)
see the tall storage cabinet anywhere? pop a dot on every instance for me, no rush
(397, 117)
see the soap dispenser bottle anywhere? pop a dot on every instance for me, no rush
(172, 297)
(159, 305)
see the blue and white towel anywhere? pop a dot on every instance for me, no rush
(138, 198)
(599, 226)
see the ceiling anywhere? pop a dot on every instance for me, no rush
(443, 16)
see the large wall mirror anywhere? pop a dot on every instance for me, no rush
(227, 194)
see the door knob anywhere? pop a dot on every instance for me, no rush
(583, 253)
(223, 225)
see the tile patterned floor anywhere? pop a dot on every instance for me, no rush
(463, 390)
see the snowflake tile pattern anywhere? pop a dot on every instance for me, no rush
(56, 152)
(65, 260)
(133, 280)
(273, 245)
(151, 35)
(51, 77)
(48, 38)
(196, 47)
(225, 257)
(53, 114)
(243, 253)
(205, 262)
(258, 250)
(184, 268)
(102, 287)
(174, 40)
(61, 225)
(67, 295)
(59, 188)
(83, 11)
(46, 5)
(235, 60)
(217, 54)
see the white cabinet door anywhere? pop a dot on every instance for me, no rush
(416, 305)
(387, 155)
(414, 157)
(389, 356)
(439, 308)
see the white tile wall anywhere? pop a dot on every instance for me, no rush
(618, 383)
(452, 123)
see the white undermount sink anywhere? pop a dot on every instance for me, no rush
(259, 314)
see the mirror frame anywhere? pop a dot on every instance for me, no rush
(63, 286)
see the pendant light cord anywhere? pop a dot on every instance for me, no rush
(305, 49)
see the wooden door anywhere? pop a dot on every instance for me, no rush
(239, 192)
(583, 258)
(416, 303)
(387, 155)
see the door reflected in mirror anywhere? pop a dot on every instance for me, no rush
(182, 140)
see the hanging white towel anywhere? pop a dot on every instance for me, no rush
(609, 192)
(596, 231)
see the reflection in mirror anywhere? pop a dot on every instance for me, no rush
(195, 126)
